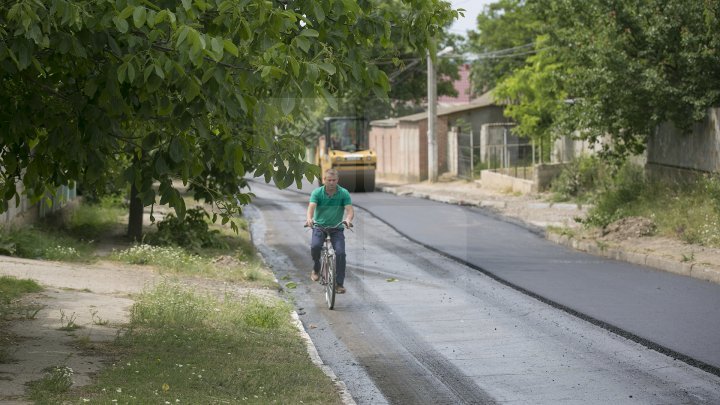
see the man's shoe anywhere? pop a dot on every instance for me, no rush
(314, 276)
(339, 289)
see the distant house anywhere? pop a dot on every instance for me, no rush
(463, 86)
(401, 143)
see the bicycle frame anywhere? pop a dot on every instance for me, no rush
(328, 275)
(328, 272)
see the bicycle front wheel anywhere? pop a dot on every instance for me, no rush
(331, 283)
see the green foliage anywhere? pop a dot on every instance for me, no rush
(687, 210)
(172, 306)
(535, 94)
(32, 243)
(506, 30)
(581, 179)
(11, 289)
(191, 232)
(632, 65)
(605, 68)
(618, 198)
(154, 91)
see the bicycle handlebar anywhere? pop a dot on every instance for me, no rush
(347, 225)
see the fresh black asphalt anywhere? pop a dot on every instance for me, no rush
(674, 314)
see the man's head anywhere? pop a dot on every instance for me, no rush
(330, 179)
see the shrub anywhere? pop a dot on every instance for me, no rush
(615, 200)
(192, 232)
(580, 179)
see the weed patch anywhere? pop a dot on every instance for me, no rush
(689, 210)
(92, 220)
(57, 380)
(192, 232)
(180, 261)
(12, 288)
(581, 179)
(167, 257)
(33, 243)
(183, 347)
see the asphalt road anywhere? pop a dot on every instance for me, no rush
(419, 327)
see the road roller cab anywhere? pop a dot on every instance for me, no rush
(344, 147)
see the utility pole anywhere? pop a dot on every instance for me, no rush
(432, 118)
(432, 115)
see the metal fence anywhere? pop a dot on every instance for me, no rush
(517, 160)
(490, 150)
(468, 150)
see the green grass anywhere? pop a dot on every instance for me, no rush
(684, 211)
(66, 236)
(90, 221)
(42, 243)
(688, 210)
(581, 180)
(57, 380)
(11, 289)
(183, 347)
(179, 261)
(235, 261)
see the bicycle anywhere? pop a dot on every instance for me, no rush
(328, 273)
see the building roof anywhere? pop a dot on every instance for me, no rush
(485, 100)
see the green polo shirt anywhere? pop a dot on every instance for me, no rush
(329, 210)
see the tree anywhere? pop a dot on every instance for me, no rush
(406, 69)
(631, 65)
(189, 90)
(506, 32)
(535, 94)
(617, 68)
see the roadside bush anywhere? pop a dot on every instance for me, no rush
(711, 186)
(688, 210)
(581, 179)
(192, 233)
(618, 196)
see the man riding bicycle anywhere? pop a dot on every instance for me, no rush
(328, 205)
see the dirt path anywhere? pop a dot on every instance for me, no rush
(93, 297)
(97, 298)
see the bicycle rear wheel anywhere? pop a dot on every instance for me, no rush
(331, 282)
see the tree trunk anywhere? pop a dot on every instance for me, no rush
(135, 218)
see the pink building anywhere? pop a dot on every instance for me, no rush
(463, 87)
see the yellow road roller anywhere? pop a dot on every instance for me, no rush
(344, 147)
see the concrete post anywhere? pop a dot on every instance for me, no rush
(432, 117)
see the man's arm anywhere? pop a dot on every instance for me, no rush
(310, 214)
(349, 214)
